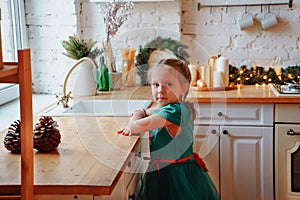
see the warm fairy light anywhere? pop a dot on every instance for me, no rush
(238, 79)
(263, 84)
(265, 77)
(270, 80)
(241, 71)
(256, 85)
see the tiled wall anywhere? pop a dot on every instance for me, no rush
(208, 32)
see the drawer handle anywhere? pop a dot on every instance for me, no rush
(131, 196)
(220, 114)
(213, 131)
(138, 154)
(225, 132)
(129, 164)
(292, 132)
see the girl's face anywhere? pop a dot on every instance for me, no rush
(166, 86)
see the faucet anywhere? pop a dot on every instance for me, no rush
(65, 97)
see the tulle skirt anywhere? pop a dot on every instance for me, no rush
(181, 181)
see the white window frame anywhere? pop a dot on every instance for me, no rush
(10, 92)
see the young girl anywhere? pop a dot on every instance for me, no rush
(174, 171)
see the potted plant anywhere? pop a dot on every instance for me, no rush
(77, 48)
(84, 52)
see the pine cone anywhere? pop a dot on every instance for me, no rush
(46, 135)
(12, 140)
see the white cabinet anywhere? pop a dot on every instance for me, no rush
(246, 163)
(236, 142)
(206, 144)
(128, 185)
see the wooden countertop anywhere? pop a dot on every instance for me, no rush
(90, 158)
(243, 94)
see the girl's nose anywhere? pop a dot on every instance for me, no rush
(161, 89)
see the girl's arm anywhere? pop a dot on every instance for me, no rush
(150, 110)
(140, 123)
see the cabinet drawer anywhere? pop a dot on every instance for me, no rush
(133, 187)
(234, 114)
(135, 164)
(287, 113)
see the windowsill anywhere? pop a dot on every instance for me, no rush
(8, 92)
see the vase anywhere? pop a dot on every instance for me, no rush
(102, 76)
(115, 80)
(142, 71)
(128, 66)
(109, 57)
(85, 84)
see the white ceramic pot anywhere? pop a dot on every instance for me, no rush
(85, 84)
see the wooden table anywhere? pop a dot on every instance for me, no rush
(89, 159)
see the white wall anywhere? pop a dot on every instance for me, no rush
(217, 32)
(51, 21)
(208, 32)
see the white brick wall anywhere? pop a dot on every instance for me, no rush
(51, 21)
(210, 32)
(218, 33)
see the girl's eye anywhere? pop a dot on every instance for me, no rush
(155, 84)
(168, 84)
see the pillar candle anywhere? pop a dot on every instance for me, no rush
(218, 80)
(202, 71)
(194, 74)
(212, 62)
(210, 76)
(223, 66)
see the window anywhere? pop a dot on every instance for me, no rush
(13, 38)
(12, 28)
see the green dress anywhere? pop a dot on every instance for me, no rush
(173, 173)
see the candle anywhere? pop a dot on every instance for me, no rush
(223, 66)
(218, 81)
(202, 70)
(194, 74)
(209, 77)
(212, 62)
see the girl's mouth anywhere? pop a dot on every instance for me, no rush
(161, 98)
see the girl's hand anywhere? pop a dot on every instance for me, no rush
(125, 132)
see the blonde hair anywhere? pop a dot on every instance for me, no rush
(185, 76)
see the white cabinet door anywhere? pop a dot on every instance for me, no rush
(246, 163)
(206, 144)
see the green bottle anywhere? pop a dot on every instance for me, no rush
(102, 76)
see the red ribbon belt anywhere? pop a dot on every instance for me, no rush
(155, 161)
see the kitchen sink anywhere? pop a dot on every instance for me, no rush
(98, 108)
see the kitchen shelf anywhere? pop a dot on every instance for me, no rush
(20, 72)
(289, 3)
